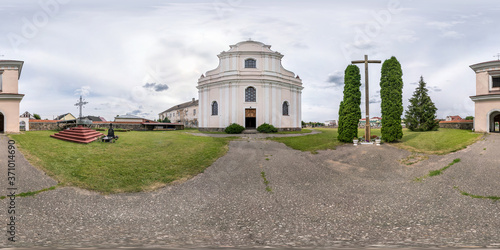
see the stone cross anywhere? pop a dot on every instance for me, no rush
(80, 104)
(367, 94)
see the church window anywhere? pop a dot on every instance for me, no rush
(250, 63)
(215, 108)
(496, 81)
(194, 111)
(285, 108)
(1, 81)
(250, 94)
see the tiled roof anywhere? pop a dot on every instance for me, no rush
(182, 106)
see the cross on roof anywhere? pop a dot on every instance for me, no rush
(80, 104)
(497, 56)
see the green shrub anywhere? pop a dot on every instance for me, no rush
(234, 129)
(267, 128)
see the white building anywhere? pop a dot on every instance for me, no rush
(184, 113)
(249, 87)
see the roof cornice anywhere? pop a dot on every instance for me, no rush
(491, 65)
(485, 97)
(13, 63)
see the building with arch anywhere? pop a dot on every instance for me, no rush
(10, 71)
(249, 87)
(487, 98)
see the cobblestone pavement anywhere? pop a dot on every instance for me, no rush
(349, 197)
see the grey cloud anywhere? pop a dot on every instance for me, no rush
(375, 101)
(413, 83)
(434, 88)
(156, 87)
(336, 78)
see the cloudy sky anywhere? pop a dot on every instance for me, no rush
(142, 57)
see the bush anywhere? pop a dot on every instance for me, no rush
(267, 128)
(234, 129)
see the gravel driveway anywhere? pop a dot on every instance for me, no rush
(348, 197)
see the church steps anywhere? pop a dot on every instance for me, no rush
(79, 134)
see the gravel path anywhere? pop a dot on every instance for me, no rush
(348, 197)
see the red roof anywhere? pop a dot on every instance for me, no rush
(459, 121)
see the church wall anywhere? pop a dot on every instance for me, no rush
(10, 111)
(482, 83)
(10, 81)
(482, 111)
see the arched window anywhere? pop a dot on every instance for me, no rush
(215, 108)
(250, 63)
(285, 108)
(250, 94)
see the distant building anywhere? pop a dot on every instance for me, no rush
(487, 98)
(453, 118)
(331, 123)
(27, 115)
(131, 118)
(65, 117)
(94, 118)
(375, 122)
(184, 113)
(10, 72)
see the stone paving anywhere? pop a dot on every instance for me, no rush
(349, 197)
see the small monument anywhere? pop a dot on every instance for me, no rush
(111, 137)
(79, 133)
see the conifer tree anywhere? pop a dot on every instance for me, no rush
(349, 110)
(421, 113)
(391, 93)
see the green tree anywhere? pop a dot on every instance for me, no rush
(37, 116)
(421, 113)
(391, 93)
(166, 120)
(349, 110)
(469, 118)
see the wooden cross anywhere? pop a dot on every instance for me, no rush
(367, 95)
(497, 56)
(80, 104)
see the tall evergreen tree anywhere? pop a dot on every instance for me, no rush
(391, 93)
(421, 113)
(350, 111)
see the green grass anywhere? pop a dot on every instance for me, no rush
(439, 142)
(327, 139)
(491, 197)
(303, 131)
(443, 141)
(138, 161)
(439, 171)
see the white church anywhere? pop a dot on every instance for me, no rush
(249, 87)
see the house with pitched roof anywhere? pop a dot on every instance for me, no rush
(184, 113)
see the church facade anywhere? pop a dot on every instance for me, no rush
(10, 71)
(487, 98)
(249, 87)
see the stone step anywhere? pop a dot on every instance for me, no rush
(250, 131)
(79, 134)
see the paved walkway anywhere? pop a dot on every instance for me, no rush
(257, 135)
(348, 197)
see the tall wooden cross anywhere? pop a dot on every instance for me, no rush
(80, 104)
(367, 94)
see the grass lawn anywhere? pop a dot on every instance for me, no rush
(434, 142)
(326, 140)
(138, 161)
(443, 141)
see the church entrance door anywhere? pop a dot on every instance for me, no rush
(250, 118)
(2, 122)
